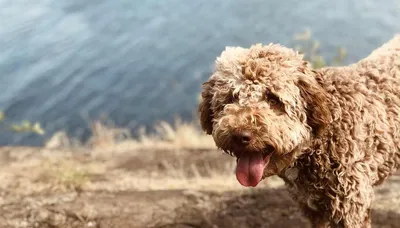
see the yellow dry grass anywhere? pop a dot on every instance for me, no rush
(63, 165)
(45, 171)
(108, 138)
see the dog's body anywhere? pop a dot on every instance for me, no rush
(331, 134)
(336, 183)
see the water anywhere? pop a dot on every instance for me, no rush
(64, 62)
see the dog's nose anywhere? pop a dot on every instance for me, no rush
(243, 137)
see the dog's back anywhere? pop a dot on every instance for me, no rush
(389, 48)
(366, 100)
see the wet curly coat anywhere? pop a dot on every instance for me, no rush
(331, 134)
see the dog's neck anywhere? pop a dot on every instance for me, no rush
(317, 145)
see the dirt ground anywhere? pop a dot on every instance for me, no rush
(148, 188)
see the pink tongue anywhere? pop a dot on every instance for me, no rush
(250, 168)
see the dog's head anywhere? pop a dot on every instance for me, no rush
(262, 105)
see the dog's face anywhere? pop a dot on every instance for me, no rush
(262, 105)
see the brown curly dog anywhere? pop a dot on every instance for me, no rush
(331, 134)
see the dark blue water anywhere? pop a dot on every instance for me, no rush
(64, 62)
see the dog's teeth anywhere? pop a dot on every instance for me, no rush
(228, 152)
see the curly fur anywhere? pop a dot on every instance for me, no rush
(334, 132)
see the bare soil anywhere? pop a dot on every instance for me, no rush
(186, 188)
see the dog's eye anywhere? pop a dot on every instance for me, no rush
(273, 100)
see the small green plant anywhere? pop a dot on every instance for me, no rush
(71, 178)
(65, 175)
(311, 47)
(24, 126)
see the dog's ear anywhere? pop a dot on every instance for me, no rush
(206, 113)
(316, 99)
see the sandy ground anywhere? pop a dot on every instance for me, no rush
(148, 188)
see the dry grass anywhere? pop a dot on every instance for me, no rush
(111, 160)
(40, 173)
(65, 174)
(170, 158)
(64, 165)
(108, 138)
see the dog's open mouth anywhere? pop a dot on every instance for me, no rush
(250, 166)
